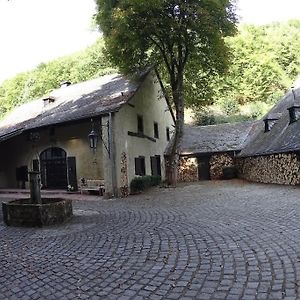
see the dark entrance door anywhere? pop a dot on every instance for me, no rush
(54, 168)
(203, 168)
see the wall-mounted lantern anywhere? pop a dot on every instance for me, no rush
(94, 137)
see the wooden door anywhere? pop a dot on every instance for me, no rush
(203, 168)
(53, 166)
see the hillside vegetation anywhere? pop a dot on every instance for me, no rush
(265, 63)
(81, 66)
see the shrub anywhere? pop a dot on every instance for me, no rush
(139, 184)
(204, 116)
(155, 180)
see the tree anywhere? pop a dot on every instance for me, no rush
(265, 63)
(183, 39)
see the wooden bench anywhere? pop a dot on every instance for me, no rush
(92, 185)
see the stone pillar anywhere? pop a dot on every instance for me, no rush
(35, 187)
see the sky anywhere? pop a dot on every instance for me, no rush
(266, 11)
(35, 31)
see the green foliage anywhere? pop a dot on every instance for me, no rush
(229, 107)
(183, 40)
(212, 117)
(266, 60)
(81, 66)
(204, 116)
(265, 63)
(139, 184)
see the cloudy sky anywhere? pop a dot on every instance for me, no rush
(35, 31)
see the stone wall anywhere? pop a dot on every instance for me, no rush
(277, 168)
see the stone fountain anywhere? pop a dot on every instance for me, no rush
(36, 211)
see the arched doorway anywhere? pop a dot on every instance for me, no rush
(53, 162)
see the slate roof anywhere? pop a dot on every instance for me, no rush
(283, 136)
(214, 138)
(74, 102)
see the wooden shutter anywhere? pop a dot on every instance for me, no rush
(72, 175)
(137, 166)
(158, 165)
(140, 168)
(153, 166)
(143, 166)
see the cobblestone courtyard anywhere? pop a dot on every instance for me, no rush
(213, 240)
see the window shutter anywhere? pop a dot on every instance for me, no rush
(143, 166)
(153, 166)
(72, 176)
(137, 166)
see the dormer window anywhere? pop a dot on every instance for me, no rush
(294, 113)
(48, 100)
(270, 121)
(65, 84)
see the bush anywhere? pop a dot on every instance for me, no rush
(155, 180)
(139, 184)
(229, 106)
(204, 116)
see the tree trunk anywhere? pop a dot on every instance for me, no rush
(173, 158)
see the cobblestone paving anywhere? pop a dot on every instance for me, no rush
(216, 240)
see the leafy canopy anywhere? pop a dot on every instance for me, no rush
(180, 37)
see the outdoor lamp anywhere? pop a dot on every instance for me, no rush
(93, 138)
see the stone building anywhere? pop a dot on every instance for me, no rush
(266, 151)
(130, 119)
(205, 150)
(272, 153)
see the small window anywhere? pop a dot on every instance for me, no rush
(168, 133)
(140, 168)
(140, 124)
(156, 133)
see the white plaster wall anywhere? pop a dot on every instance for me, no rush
(150, 103)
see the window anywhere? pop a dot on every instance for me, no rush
(168, 133)
(140, 168)
(156, 133)
(140, 124)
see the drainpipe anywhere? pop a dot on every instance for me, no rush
(112, 154)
